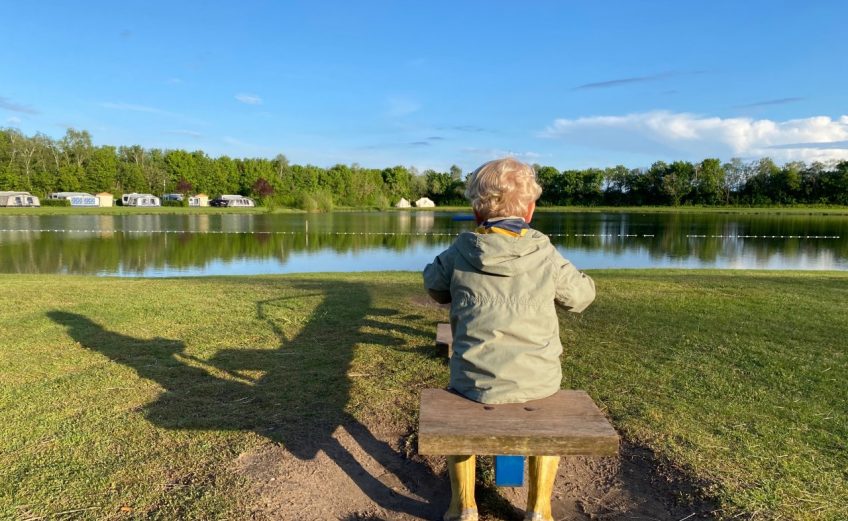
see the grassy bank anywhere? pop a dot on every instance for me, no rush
(125, 397)
(123, 210)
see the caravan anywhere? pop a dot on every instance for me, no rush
(232, 201)
(140, 200)
(75, 198)
(20, 199)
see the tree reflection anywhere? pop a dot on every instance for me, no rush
(178, 243)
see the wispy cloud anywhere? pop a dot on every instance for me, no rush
(174, 81)
(420, 143)
(769, 103)
(183, 132)
(249, 99)
(146, 109)
(820, 145)
(397, 107)
(464, 128)
(499, 152)
(6, 103)
(618, 82)
(133, 108)
(13, 120)
(435, 138)
(693, 136)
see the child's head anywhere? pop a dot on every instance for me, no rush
(502, 188)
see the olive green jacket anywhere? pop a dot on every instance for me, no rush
(502, 292)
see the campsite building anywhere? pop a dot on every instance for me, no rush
(105, 199)
(199, 200)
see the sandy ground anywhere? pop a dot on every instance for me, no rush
(362, 474)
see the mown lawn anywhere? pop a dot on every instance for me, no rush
(131, 398)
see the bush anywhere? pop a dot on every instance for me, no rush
(55, 202)
(316, 202)
(173, 203)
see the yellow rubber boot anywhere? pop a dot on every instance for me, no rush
(543, 471)
(462, 505)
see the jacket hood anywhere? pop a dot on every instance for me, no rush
(501, 255)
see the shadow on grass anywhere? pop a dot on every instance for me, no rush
(300, 398)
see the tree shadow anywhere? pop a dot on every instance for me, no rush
(299, 398)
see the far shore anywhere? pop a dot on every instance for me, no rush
(206, 210)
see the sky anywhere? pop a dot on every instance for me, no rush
(430, 84)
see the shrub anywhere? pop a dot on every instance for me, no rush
(55, 202)
(316, 202)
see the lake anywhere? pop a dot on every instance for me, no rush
(240, 244)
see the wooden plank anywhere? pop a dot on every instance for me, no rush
(444, 338)
(567, 423)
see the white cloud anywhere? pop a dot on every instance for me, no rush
(13, 120)
(695, 136)
(249, 99)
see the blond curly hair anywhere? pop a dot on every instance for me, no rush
(502, 188)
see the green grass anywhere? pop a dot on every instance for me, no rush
(139, 394)
(124, 210)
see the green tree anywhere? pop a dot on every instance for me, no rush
(709, 182)
(102, 170)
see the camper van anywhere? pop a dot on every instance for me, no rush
(233, 201)
(75, 198)
(140, 200)
(18, 199)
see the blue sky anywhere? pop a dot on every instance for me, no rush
(430, 84)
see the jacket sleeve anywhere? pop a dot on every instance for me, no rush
(574, 290)
(437, 274)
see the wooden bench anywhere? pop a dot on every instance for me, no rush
(565, 424)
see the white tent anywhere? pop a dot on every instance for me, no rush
(403, 203)
(425, 202)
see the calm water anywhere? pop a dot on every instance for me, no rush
(175, 245)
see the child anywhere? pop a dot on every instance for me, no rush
(502, 282)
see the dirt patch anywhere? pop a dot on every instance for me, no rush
(424, 300)
(362, 474)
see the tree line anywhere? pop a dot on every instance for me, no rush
(41, 165)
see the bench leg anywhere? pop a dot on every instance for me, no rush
(543, 471)
(462, 506)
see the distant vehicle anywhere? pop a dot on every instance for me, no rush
(141, 200)
(233, 201)
(75, 198)
(21, 199)
(173, 197)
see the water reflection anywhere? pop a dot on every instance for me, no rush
(167, 245)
